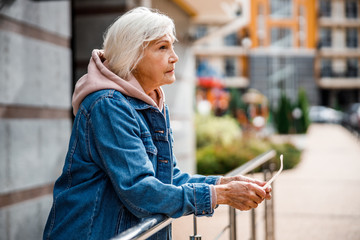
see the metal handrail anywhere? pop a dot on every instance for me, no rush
(242, 170)
(252, 164)
(145, 229)
(153, 224)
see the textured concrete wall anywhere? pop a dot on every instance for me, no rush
(35, 123)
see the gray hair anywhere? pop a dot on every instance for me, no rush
(126, 39)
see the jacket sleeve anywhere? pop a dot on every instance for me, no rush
(117, 137)
(180, 177)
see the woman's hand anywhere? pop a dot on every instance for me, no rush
(241, 192)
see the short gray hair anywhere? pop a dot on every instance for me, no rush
(126, 39)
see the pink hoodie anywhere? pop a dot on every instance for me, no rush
(100, 77)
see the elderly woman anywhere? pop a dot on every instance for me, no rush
(120, 166)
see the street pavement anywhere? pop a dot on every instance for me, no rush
(317, 200)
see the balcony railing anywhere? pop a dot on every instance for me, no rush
(154, 224)
(327, 72)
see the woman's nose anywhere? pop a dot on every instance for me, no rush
(173, 58)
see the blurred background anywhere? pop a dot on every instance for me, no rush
(253, 75)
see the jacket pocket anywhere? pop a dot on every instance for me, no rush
(148, 143)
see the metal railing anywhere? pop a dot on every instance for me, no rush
(152, 225)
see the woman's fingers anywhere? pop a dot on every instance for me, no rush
(242, 195)
(247, 194)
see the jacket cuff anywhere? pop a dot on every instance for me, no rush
(203, 200)
(213, 180)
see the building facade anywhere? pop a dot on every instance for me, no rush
(309, 44)
(338, 52)
(283, 35)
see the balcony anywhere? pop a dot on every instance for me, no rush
(339, 83)
(339, 52)
(345, 80)
(338, 22)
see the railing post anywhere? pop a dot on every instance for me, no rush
(196, 236)
(269, 206)
(253, 224)
(232, 223)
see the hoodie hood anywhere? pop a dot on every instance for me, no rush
(100, 77)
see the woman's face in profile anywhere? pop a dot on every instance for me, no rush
(157, 67)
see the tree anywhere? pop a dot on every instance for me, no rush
(303, 105)
(282, 115)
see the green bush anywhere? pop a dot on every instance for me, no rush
(291, 155)
(303, 122)
(282, 115)
(222, 159)
(285, 119)
(216, 130)
(220, 147)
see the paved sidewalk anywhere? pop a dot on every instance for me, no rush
(318, 200)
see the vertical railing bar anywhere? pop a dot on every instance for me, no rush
(195, 225)
(272, 217)
(195, 236)
(265, 171)
(271, 202)
(232, 223)
(253, 224)
(253, 219)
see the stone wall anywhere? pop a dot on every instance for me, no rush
(35, 120)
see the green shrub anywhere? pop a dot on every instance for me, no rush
(291, 155)
(220, 159)
(282, 115)
(303, 122)
(216, 130)
(220, 147)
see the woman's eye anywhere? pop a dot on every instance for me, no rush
(163, 47)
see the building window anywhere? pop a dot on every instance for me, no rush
(281, 79)
(351, 9)
(325, 8)
(281, 8)
(351, 38)
(325, 37)
(352, 67)
(261, 25)
(302, 27)
(231, 40)
(230, 67)
(281, 37)
(201, 31)
(326, 70)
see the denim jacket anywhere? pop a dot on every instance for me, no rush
(119, 169)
